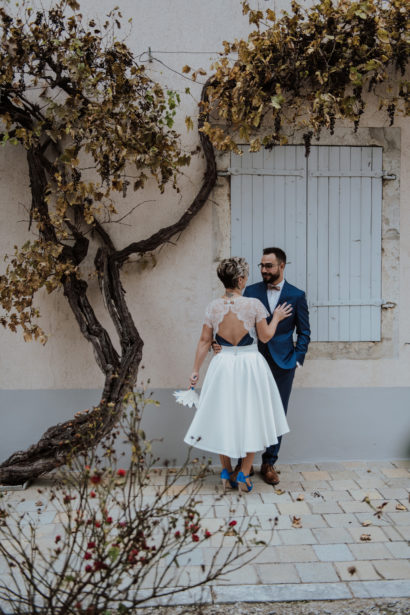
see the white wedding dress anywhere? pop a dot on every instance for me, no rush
(240, 409)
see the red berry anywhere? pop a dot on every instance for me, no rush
(87, 555)
(92, 494)
(207, 534)
(121, 472)
(91, 545)
(195, 537)
(88, 568)
(177, 534)
(232, 523)
(57, 539)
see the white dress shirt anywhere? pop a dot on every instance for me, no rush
(273, 296)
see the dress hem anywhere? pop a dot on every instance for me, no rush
(234, 455)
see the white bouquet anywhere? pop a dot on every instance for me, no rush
(188, 397)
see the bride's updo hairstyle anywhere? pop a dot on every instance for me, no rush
(231, 269)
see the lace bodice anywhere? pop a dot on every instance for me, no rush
(247, 309)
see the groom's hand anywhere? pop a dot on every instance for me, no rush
(216, 347)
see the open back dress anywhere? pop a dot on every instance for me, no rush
(240, 410)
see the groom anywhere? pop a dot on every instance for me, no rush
(281, 353)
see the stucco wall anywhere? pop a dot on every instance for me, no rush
(168, 299)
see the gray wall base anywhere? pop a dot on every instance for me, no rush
(325, 424)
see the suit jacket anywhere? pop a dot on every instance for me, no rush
(281, 347)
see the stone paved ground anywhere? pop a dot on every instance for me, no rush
(326, 557)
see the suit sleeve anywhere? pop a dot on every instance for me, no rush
(302, 329)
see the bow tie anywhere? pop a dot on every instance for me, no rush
(271, 287)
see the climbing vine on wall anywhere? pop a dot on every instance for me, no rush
(307, 69)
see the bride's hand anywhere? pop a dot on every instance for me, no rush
(283, 311)
(193, 381)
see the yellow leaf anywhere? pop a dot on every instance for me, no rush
(186, 68)
(400, 507)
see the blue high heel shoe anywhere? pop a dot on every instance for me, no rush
(242, 484)
(226, 478)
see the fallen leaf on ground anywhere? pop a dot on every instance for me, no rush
(352, 570)
(296, 522)
(365, 537)
(400, 507)
(366, 523)
(279, 491)
(300, 497)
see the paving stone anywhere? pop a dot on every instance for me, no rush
(317, 572)
(404, 531)
(330, 466)
(330, 535)
(303, 467)
(318, 475)
(392, 534)
(353, 506)
(399, 550)
(273, 498)
(402, 463)
(368, 550)
(344, 475)
(371, 482)
(346, 484)
(290, 477)
(340, 520)
(376, 533)
(293, 508)
(266, 522)
(391, 493)
(319, 506)
(396, 472)
(277, 573)
(393, 569)
(370, 516)
(380, 589)
(293, 553)
(334, 552)
(363, 571)
(245, 574)
(360, 494)
(312, 521)
(400, 518)
(196, 595)
(315, 485)
(297, 536)
(334, 495)
(281, 592)
(354, 464)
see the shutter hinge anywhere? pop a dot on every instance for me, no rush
(389, 176)
(388, 305)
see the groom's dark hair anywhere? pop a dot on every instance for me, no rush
(280, 254)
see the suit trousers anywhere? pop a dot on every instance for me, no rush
(284, 380)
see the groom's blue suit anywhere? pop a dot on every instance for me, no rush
(281, 352)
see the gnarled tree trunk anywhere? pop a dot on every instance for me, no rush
(120, 371)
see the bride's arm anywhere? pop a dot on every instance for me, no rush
(201, 351)
(266, 331)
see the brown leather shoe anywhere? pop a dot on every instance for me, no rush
(269, 474)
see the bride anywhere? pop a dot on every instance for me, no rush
(240, 410)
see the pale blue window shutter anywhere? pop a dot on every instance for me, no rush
(344, 242)
(325, 212)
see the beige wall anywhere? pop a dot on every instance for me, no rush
(168, 300)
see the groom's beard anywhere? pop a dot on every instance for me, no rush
(270, 278)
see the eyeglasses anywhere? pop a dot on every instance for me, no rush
(267, 265)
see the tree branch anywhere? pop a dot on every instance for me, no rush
(208, 183)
